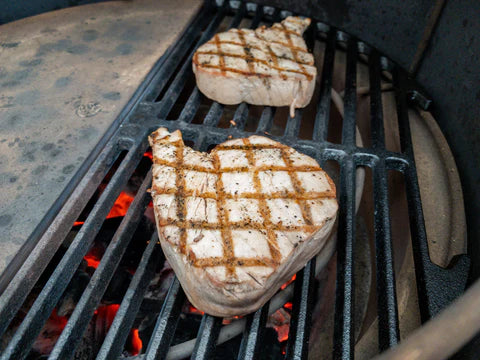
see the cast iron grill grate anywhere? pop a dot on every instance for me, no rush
(151, 108)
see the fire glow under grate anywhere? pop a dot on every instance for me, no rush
(165, 100)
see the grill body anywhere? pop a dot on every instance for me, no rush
(149, 110)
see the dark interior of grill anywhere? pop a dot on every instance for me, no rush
(97, 285)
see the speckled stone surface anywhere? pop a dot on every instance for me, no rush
(64, 77)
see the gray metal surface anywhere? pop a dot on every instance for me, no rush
(64, 78)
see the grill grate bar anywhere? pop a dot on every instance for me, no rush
(376, 110)
(240, 117)
(350, 100)
(253, 334)
(239, 14)
(266, 119)
(344, 302)
(325, 150)
(43, 306)
(178, 83)
(207, 337)
(80, 318)
(293, 124)
(117, 334)
(344, 318)
(191, 107)
(258, 17)
(320, 130)
(303, 296)
(213, 115)
(167, 323)
(388, 331)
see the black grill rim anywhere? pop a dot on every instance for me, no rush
(436, 286)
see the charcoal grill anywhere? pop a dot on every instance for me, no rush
(151, 107)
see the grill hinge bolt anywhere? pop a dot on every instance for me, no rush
(419, 99)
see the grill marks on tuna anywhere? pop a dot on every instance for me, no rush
(266, 66)
(235, 224)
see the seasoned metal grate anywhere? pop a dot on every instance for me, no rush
(151, 108)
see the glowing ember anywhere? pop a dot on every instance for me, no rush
(288, 306)
(136, 342)
(282, 332)
(289, 282)
(60, 321)
(280, 321)
(229, 320)
(108, 313)
(105, 315)
(193, 310)
(119, 208)
(92, 260)
(121, 205)
(148, 154)
(50, 332)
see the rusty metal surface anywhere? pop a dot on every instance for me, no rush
(64, 78)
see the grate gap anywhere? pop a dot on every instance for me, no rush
(177, 69)
(254, 114)
(403, 255)
(185, 94)
(226, 121)
(113, 168)
(390, 119)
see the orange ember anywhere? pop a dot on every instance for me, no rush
(121, 205)
(282, 332)
(108, 312)
(60, 321)
(289, 282)
(119, 208)
(288, 306)
(50, 333)
(92, 261)
(193, 310)
(280, 321)
(229, 320)
(134, 343)
(148, 154)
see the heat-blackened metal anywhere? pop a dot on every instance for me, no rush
(253, 334)
(118, 332)
(166, 323)
(297, 347)
(388, 330)
(436, 286)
